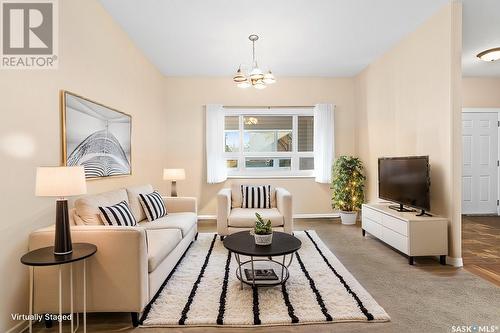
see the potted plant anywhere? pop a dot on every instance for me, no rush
(262, 231)
(348, 184)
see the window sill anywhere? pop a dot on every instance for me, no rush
(268, 176)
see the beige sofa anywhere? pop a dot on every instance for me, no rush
(131, 262)
(232, 218)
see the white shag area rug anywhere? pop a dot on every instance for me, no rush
(203, 291)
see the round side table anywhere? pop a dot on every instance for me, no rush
(45, 257)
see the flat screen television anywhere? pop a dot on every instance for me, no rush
(406, 181)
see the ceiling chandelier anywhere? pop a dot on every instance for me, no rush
(255, 76)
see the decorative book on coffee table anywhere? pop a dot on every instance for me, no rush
(261, 274)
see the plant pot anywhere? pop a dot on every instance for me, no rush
(263, 239)
(348, 218)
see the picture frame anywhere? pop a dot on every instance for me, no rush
(95, 136)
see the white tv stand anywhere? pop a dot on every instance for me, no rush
(406, 232)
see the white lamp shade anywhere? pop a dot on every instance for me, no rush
(256, 73)
(269, 78)
(239, 77)
(60, 181)
(174, 174)
(244, 84)
(259, 84)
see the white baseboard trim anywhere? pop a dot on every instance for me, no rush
(316, 216)
(296, 216)
(207, 217)
(20, 327)
(455, 262)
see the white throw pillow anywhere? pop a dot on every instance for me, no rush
(118, 215)
(153, 205)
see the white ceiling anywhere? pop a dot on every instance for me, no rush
(481, 31)
(298, 37)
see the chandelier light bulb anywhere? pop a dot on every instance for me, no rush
(256, 73)
(239, 77)
(244, 84)
(259, 84)
(269, 78)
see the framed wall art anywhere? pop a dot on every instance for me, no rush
(95, 136)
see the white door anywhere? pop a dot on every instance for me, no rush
(480, 163)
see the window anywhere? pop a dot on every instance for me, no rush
(263, 142)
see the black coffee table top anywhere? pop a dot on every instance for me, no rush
(45, 256)
(244, 243)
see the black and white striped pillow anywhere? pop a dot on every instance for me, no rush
(118, 214)
(153, 205)
(256, 196)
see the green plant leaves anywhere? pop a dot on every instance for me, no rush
(262, 227)
(348, 183)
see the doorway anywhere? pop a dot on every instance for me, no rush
(480, 192)
(480, 162)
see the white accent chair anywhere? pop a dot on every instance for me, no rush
(232, 218)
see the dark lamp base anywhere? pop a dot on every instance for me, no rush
(173, 189)
(62, 240)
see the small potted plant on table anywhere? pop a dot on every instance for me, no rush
(348, 183)
(262, 231)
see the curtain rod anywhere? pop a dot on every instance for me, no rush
(268, 107)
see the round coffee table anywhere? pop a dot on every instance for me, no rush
(264, 271)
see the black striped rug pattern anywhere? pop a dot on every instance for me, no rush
(204, 291)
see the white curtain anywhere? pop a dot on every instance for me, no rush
(216, 164)
(324, 142)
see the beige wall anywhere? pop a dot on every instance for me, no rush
(98, 61)
(405, 104)
(186, 98)
(481, 92)
(403, 100)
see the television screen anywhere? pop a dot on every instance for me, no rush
(405, 180)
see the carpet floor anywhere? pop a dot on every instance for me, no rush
(204, 291)
(427, 297)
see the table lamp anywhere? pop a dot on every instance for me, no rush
(61, 182)
(174, 175)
